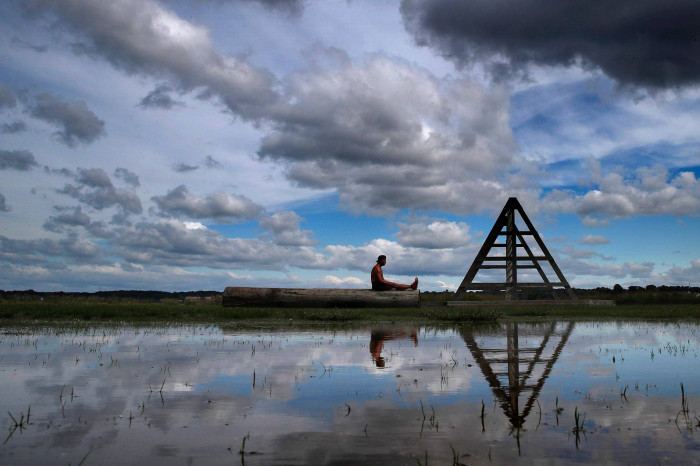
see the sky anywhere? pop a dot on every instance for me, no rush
(197, 144)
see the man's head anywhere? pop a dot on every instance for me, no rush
(381, 259)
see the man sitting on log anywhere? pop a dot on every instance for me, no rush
(380, 284)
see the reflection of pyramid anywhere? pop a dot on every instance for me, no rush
(511, 261)
(511, 372)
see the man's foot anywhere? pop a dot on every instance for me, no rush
(414, 285)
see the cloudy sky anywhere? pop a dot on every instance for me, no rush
(198, 144)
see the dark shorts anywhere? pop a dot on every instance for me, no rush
(381, 287)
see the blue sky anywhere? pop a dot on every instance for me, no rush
(199, 144)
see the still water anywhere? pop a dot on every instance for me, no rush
(532, 393)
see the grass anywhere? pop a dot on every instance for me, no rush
(71, 309)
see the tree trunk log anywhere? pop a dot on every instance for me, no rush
(318, 297)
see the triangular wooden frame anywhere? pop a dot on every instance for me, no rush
(508, 385)
(505, 225)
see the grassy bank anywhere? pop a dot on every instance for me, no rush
(12, 311)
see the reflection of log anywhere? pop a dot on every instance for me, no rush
(318, 297)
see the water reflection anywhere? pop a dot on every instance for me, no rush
(517, 371)
(192, 394)
(379, 336)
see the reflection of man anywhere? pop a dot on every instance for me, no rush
(378, 337)
(380, 284)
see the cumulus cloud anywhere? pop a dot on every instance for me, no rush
(385, 146)
(576, 267)
(95, 189)
(58, 223)
(219, 205)
(20, 160)
(645, 191)
(677, 275)
(286, 230)
(77, 122)
(643, 43)
(434, 235)
(93, 177)
(617, 197)
(172, 242)
(39, 251)
(385, 134)
(141, 36)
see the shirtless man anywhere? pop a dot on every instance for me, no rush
(380, 284)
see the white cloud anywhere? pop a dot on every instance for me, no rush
(344, 282)
(434, 235)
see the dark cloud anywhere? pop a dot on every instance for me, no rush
(160, 98)
(143, 37)
(645, 43)
(59, 223)
(59, 171)
(94, 178)
(290, 6)
(36, 251)
(95, 189)
(221, 205)
(21, 160)
(15, 127)
(7, 97)
(127, 176)
(184, 168)
(78, 123)
(210, 162)
(3, 206)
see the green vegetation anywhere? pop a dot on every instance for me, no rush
(25, 308)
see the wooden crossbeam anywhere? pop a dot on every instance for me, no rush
(511, 261)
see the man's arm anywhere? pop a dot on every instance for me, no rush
(378, 276)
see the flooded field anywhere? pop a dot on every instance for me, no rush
(545, 393)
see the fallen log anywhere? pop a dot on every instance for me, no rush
(318, 297)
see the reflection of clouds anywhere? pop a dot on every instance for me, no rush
(305, 380)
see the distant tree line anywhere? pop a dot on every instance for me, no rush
(116, 295)
(650, 294)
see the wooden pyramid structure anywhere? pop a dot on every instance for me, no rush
(518, 255)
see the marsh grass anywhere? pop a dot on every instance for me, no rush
(132, 310)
